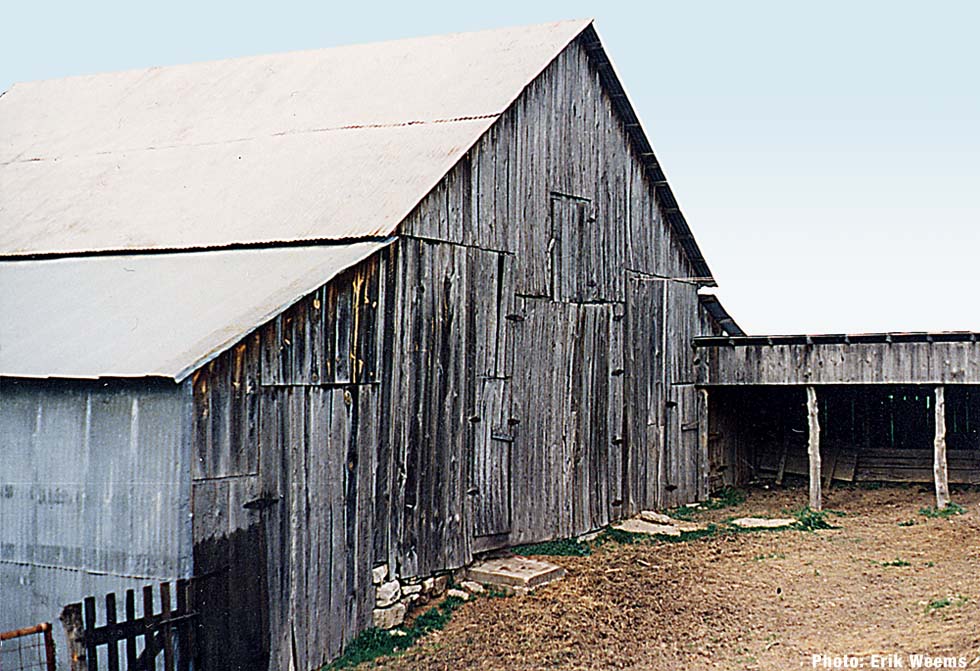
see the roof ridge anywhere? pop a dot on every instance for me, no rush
(297, 52)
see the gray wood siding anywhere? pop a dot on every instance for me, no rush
(510, 359)
(562, 137)
(841, 363)
(285, 439)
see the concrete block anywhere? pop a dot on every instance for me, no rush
(638, 526)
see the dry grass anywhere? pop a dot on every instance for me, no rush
(764, 600)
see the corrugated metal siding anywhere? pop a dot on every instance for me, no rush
(150, 315)
(94, 492)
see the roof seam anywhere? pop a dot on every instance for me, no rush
(231, 247)
(286, 133)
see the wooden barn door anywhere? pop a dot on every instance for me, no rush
(492, 440)
(646, 382)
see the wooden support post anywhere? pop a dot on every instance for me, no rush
(939, 463)
(703, 445)
(813, 418)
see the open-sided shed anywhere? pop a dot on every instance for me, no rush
(899, 407)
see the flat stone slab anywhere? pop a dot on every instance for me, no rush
(763, 522)
(659, 518)
(514, 572)
(635, 525)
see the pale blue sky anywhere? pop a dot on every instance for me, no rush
(826, 155)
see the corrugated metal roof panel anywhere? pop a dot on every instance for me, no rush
(324, 120)
(152, 314)
(309, 186)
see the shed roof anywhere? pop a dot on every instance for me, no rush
(151, 314)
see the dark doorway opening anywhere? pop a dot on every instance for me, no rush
(869, 433)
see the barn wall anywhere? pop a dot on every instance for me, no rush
(516, 367)
(94, 492)
(558, 187)
(285, 439)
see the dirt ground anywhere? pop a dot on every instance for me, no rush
(759, 600)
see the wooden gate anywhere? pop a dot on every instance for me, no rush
(156, 639)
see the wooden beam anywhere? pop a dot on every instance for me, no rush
(813, 418)
(939, 446)
(703, 445)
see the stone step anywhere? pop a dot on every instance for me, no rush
(514, 573)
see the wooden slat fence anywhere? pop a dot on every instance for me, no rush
(163, 638)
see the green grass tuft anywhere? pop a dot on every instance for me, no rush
(950, 510)
(729, 497)
(907, 523)
(567, 547)
(811, 520)
(373, 643)
(897, 562)
(936, 604)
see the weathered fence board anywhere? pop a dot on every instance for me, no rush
(158, 639)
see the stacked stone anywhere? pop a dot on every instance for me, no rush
(394, 597)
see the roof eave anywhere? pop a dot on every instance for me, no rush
(641, 145)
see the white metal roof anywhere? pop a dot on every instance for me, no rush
(317, 145)
(150, 314)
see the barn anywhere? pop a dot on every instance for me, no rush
(275, 322)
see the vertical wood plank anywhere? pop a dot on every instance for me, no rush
(704, 407)
(110, 619)
(184, 649)
(130, 637)
(813, 447)
(150, 648)
(91, 653)
(939, 447)
(166, 631)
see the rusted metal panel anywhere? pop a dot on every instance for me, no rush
(150, 315)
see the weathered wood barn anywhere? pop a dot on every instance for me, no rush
(273, 321)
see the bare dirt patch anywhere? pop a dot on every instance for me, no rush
(888, 581)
